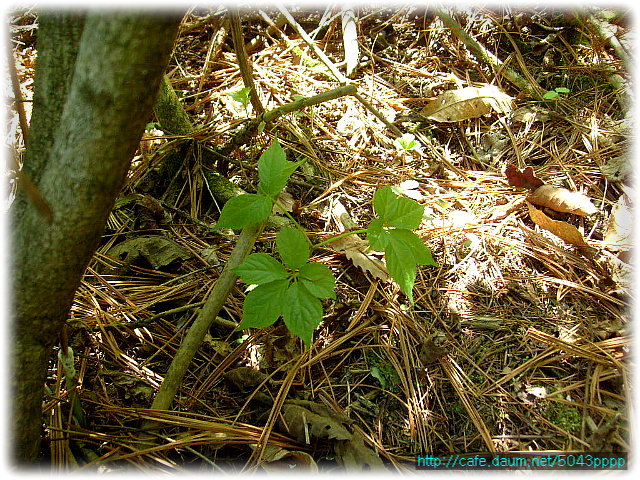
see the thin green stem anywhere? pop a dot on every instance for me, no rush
(290, 217)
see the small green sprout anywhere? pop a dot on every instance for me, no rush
(555, 93)
(407, 142)
(241, 96)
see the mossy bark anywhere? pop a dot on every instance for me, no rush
(91, 102)
(221, 187)
(173, 119)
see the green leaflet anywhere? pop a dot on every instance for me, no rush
(301, 311)
(293, 247)
(420, 252)
(241, 96)
(260, 268)
(274, 170)
(318, 279)
(377, 235)
(244, 210)
(394, 211)
(403, 253)
(263, 304)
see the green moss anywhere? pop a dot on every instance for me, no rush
(564, 416)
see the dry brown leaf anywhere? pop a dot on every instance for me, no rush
(528, 114)
(621, 273)
(502, 211)
(469, 102)
(354, 249)
(221, 347)
(562, 200)
(618, 234)
(617, 168)
(564, 230)
(522, 179)
(303, 423)
(286, 200)
(279, 460)
(355, 456)
(245, 378)
(430, 352)
(161, 252)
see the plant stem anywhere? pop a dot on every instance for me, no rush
(288, 215)
(526, 85)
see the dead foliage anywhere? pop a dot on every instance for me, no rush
(518, 341)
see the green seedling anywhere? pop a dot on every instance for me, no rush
(293, 287)
(241, 96)
(555, 94)
(407, 142)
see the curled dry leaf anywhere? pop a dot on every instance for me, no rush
(430, 352)
(562, 200)
(303, 423)
(522, 179)
(277, 460)
(618, 234)
(469, 102)
(161, 252)
(150, 213)
(286, 200)
(564, 230)
(354, 249)
(245, 378)
(356, 457)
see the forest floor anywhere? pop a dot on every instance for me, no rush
(518, 340)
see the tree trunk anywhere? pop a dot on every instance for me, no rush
(96, 81)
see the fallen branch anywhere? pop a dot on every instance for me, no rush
(272, 115)
(488, 57)
(321, 55)
(607, 33)
(268, 117)
(243, 61)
